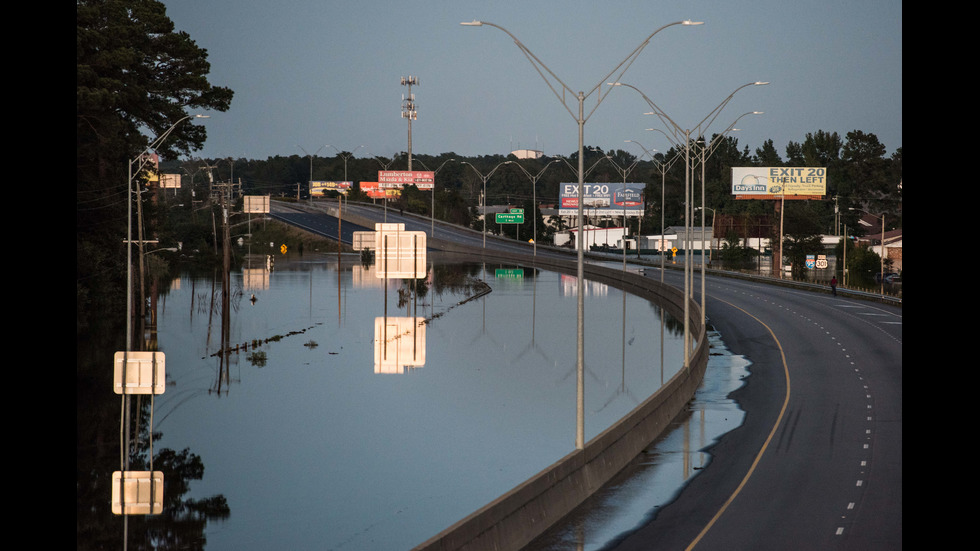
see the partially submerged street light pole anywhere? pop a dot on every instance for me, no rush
(580, 119)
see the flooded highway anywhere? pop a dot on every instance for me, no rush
(319, 436)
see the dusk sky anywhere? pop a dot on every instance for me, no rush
(321, 76)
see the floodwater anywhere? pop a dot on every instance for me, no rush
(318, 437)
(655, 477)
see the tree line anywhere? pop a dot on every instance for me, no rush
(137, 76)
(859, 178)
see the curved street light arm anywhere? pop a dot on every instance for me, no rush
(587, 171)
(390, 162)
(625, 64)
(676, 128)
(436, 171)
(702, 127)
(624, 171)
(708, 149)
(535, 178)
(141, 158)
(343, 154)
(539, 65)
(489, 174)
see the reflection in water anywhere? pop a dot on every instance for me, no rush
(311, 447)
(653, 479)
(399, 344)
(107, 437)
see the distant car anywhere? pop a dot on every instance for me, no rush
(890, 277)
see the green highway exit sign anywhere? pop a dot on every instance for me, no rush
(509, 273)
(510, 217)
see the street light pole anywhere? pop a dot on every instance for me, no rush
(664, 166)
(384, 166)
(311, 168)
(688, 189)
(139, 163)
(881, 258)
(706, 151)
(580, 119)
(340, 196)
(625, 172)
(534, 198)
(345, 156)
(485, 178)
(432, 209)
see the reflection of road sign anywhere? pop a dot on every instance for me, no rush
(137, 492)
(510, 218)
(283, 248)
(145, 372)
(509, 273)
(399, 343)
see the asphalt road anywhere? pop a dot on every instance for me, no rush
(817, 462)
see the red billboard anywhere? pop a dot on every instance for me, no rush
(398, 178)
(374, 190)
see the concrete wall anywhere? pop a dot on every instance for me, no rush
(514, 519)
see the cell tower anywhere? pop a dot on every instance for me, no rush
(409, 112)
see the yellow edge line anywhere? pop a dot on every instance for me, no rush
(772, 433)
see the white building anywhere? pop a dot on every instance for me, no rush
(610, 237)
(527, 154)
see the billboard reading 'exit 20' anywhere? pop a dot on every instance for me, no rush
(608, 199)
(790, 182)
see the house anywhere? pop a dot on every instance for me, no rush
(892, 246)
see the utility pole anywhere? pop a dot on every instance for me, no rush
(409, 112)
(214, 229)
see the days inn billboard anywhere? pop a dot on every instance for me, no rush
(787, 182)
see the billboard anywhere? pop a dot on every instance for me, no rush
(398, 178)
(170, 181)
(779, 182)
(609, 199)
(373, 190)
(258, 204)
(318, 187)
